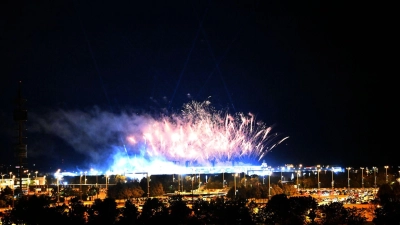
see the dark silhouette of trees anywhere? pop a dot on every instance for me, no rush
(336, 213)
(389, 202)
(388, 214)
(153, 212)
(78, 213)
(179, 211)
(156, 189)
(31, 210)
(103, 212)
(281, 209)
(130, 214)
(284, 210)
(125, 191)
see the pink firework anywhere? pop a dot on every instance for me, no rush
(202, 135)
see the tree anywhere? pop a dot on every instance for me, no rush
(336, 213)
(30, 209)
(125, 193)
(277, 210)
(79, 214)
(137, 192)
(120, 179)
(93, 191)
(385, 194)
(211, 184)
(104, 211)
(389, 199)
(130, 214)
(289, 189)
(156, 189)
(388, 214)
(179, 212)
(291, 211)
(152, 209)
(276, 190)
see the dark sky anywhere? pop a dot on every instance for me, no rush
(320, 71)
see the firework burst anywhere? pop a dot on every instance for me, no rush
(201, 135)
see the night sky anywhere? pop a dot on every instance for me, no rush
(320, 72)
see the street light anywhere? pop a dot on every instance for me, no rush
(192, 188)
(362, 177)
(297, 179)
(348, 177)
(235, 183)
(13, 191)
(374, 168)
(36, 176)
(44, 183)
(386, 167)
(107, 183)
(58, 185)
(28, 179)
(223, 182)
(80, 185)
(333, 183)
(269, 184)
(148, 184)
(2, 179)
(319, 184)
(85, 177)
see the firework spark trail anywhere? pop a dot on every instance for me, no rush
(202, 134)
(198, 134)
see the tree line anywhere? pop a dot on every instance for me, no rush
(280, 209)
